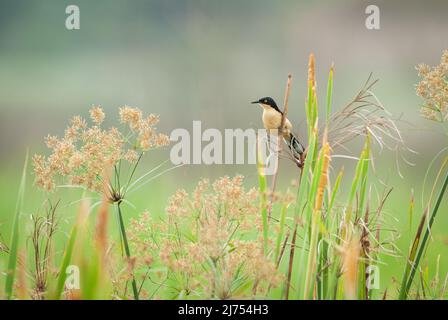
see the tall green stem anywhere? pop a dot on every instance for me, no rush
(126, 249)
(425, 237)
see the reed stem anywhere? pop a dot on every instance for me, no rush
(425, 238)
(127, 250)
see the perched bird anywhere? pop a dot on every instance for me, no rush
(272, 121)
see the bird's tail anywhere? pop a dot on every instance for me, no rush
(296, 147)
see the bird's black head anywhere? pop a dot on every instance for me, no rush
(268, 101)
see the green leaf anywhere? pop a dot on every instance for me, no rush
(14, 243)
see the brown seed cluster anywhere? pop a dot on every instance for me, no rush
(210, 239)
(82, 155)
(433, 88)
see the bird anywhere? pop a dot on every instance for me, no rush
(272, 121)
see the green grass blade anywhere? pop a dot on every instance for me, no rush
(62, 276)
(411, 258)
(315, 222)
(363, 183)
(426, 235)
(335, 190)
(304, 183)
(360, 175)
(14, 243)
(302, 203)
(68, 252)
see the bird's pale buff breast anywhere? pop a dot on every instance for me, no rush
(272, 120)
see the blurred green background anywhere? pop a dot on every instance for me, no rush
(206, 60)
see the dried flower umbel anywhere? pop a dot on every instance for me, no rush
(209, 242)
(433, 89)
(86, 156)
(83, 154)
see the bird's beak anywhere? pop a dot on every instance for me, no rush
(253, 102)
